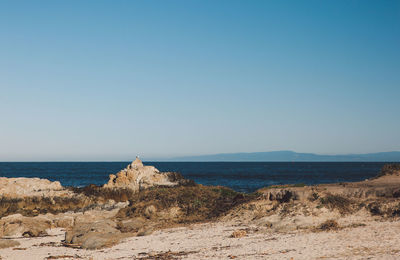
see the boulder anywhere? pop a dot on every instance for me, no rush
(98, 214)
(137, 177)
(95, 240)
(64, 221)
(88, 216)
(131, 225)
(94, 235)
(145, 231)
(23, 187)
(18, 226)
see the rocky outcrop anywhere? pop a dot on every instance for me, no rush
(137, 177)
(94, 235)
(18, 226)
(24, 187)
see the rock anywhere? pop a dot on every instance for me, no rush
(64, 221)
(131, 225)
(97, 215)
(145, 231)
(23, 187)
(95, 240)
(5, 243)
(17, 226)
(87, 217)
(136, 176)
(94, 235)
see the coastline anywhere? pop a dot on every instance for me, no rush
(164, 216)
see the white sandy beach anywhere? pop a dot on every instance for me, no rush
(375, 240)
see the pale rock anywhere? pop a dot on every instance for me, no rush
(131, 225)
(24, 187)
(64, 221)
(137, 177)
(94, 235)
(94, 240)
(99, 214)
(18, 226)
(145, 231)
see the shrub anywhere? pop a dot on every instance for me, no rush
(197, 203)
(329, 225)
(104, 194)
(337, 202)
(389, 169)
(313, 197)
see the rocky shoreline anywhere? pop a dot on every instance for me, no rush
(139, 204)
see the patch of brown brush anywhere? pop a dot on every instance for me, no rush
(341, 203)
(169, 255)
(328, 225)
(196, 203)
(33, 206)
(104, 194)
(389, 169)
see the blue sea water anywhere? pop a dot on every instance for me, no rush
(240, 176)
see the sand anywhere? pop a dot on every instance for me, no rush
(375, 240)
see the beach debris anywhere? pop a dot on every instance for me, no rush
(239, 233)
(169, 255)
(63, 256)
(328, 225)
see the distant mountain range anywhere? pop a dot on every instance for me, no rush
(290, 156)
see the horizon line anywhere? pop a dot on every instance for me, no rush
(182, 158)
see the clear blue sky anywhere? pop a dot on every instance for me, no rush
(107, 80)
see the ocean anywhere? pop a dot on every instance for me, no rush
(240, 176)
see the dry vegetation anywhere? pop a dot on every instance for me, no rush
(342, 204)
(33, 206)
(389, 169)
(328, 225)
(196, 203)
